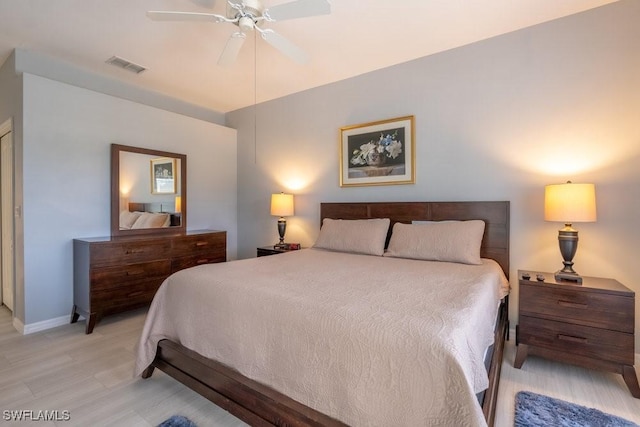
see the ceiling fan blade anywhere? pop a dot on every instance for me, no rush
(285, 46)
(297, 9)
(231, 49)
(159, 15)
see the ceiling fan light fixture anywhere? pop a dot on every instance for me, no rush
(246, 23)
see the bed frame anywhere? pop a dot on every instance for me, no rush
(259, 405)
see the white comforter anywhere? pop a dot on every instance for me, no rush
(367, 340)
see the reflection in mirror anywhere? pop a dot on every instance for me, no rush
(148, 191)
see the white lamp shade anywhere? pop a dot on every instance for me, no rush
(282, 204)
(178, 207)
(570, 203)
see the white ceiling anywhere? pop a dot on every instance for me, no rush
(359, 36)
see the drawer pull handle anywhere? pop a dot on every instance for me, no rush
(134, 251)
(572, 304)
(202, 261)
(572, 339)
(200, 244)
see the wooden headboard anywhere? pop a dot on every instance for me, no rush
(495, 243)
(148, 207)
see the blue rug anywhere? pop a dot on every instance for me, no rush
(177, 421)
(533, 410)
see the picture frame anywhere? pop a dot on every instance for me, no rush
(163, 176)
(378, 153)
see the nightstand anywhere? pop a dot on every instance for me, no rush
(590, 325)
(269, 250)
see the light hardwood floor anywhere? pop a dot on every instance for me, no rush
(91, 377)
(594, 389)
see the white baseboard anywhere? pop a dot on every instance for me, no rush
(39, 326)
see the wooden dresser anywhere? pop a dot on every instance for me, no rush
(112, 275)
(591, 325)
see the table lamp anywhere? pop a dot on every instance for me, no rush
(281, 206)
(569, 203)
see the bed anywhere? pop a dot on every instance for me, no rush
(318, 356)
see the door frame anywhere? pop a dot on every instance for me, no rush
(7, 197)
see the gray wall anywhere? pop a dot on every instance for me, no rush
(68, 131)
(495, 120)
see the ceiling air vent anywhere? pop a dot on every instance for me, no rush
(127, 65)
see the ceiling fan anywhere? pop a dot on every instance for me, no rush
(249, 15)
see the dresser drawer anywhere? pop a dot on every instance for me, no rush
(104, 278)
(613, 346)
(599, 310)
(117, 253)
(192, 261)
(200, 244)
(135, 294)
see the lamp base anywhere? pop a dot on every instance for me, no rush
(568, 240)
(563, 276)
(282, 227)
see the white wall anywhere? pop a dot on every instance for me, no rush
(67, 135)
(495, 120)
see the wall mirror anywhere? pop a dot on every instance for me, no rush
(148, 191)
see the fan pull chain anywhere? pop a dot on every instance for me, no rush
(255, 99)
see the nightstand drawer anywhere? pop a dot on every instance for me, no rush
(272, 250)
(599, 310)
(580, 340)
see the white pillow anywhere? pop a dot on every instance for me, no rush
(451, 241)
(360, 236)
(127, 219)
(152, 220)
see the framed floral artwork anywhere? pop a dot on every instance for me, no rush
(378, 153)
(163, 176)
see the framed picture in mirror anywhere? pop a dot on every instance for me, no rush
(163, 176)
